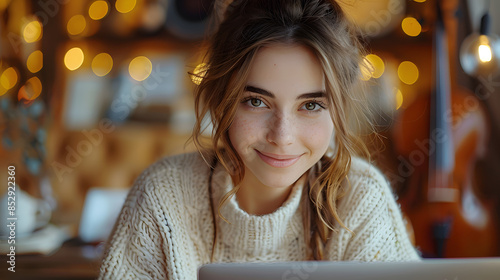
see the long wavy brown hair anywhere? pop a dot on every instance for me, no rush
(244, 28)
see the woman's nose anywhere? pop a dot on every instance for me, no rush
(281, 130)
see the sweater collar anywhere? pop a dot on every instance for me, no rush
(257, 235)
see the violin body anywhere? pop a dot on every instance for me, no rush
(460, 225)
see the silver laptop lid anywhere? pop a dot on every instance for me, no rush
(438, 269)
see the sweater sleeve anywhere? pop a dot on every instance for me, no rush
(135, 249)
(370, 211)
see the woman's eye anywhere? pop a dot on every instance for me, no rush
(255, 102)
(312, 106)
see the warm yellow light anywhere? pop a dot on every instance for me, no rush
(485, 54)
(140, 68)
(399, 99)
(31, 90)
(366, 69)
(377, 63)
(411, 26)
(98, 10)
(408, 72)
(32, 31)
(9, 78)
(102, 64)
(419, 1)
(372, 67)
(35, 61)
(199, 72)
(73, 58)
(76, 25)
(125, 6)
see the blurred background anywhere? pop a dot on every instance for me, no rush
(94, 91)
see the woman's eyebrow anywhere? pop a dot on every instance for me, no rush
(259, 91)
(317, 94)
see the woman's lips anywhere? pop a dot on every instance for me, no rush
(279, 161)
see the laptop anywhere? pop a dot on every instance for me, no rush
(432, 269)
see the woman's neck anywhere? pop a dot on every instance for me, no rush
(258, 199)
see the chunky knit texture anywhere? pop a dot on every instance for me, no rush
(165, 229)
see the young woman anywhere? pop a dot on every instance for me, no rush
(283, 179)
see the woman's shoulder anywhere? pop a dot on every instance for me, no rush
(366, 175)
(369, 209)
(174, 171)
(180, 163)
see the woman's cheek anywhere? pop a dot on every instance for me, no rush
(317, 134)
(244, 130)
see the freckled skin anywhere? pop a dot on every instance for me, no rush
(281, 125)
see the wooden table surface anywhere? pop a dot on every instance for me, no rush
(73, 260)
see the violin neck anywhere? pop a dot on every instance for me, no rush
(442, 160)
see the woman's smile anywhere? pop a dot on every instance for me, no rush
(279, 161)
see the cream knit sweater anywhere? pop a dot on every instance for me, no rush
(165, 229)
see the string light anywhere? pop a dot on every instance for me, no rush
(35, 61)
(98, 10)
(140, 68)
(31, 90)
(9, 78)
(102, 64)
(378, 65)
(408, 72)
(411, 26)
(125, 6)
(372, 67)
(74, 58)
(32, 31)
(76, 25)
(399, 98)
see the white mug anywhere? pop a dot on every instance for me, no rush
(30, 214)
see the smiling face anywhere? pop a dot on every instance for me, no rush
(282, 125)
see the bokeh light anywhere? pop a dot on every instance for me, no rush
(372, 67)
(73, 58)
(399, 99)
(35, 61)
(32, 31)
(102, 64)
(76, 25)
(98, 10)
(366, 69)
(31, 90)
(125, 6)
(411, 26)
(9, 78)
(484, 52)
(140, 68)
(377, 64)
(408, 72)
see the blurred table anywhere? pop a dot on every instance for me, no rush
(74, 260)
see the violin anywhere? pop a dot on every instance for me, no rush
(442, 135)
